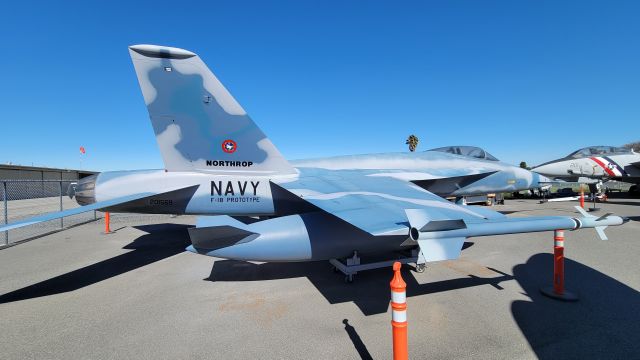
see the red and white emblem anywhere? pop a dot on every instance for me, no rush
(610, 167)
(229, 146)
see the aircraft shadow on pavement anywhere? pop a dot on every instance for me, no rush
(160, 242)
(603, 324)
(369, 291)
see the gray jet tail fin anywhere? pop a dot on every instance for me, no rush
(198, 124)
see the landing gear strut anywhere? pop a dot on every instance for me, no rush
(595, 190)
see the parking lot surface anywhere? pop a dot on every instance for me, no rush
(138, 294)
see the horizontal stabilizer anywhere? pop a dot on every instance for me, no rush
(636, 164)
(106, 205)
(75, 211)
(446, 186)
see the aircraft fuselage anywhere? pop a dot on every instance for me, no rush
(612, 167)
(251, 195)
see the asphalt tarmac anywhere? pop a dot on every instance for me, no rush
(78, 294)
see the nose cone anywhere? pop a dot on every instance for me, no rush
(543, 178)
(86, 190)
(541, 181)
(551, 169)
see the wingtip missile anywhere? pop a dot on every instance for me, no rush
(599, 223)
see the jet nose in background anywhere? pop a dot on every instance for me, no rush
(550, 169)
(542, 181)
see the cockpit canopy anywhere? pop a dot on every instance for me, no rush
(598, 151)
(470, 151)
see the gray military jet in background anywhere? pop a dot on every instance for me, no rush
(255, 205)
(595, 164)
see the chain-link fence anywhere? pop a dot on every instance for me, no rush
(22, 199)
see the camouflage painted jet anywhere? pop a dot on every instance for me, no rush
(255, 205)
(596, 164)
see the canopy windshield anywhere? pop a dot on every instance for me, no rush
(470, 151)
(598, 151)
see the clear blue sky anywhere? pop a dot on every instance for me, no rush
(527, 80)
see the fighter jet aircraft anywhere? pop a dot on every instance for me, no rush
(450, 171)
(596, 164)
(218, 162)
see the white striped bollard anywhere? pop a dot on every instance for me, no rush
(558, 291)
(399, 314)
(107, 224)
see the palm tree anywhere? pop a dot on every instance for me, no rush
(412, 141)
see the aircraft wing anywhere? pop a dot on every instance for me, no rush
(386, 206)
(75, 211)
(376, 204)
(447, 185)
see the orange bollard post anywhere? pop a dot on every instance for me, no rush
(399, 314)
(581, 198)
(107, 221)
(558, 291)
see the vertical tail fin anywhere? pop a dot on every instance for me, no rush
(198, 124)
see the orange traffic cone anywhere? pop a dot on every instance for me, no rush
(399, 314)
(558, 291)
(107, 221)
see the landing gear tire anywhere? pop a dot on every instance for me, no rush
(348, 279)
(335, 269)
(420, 268)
